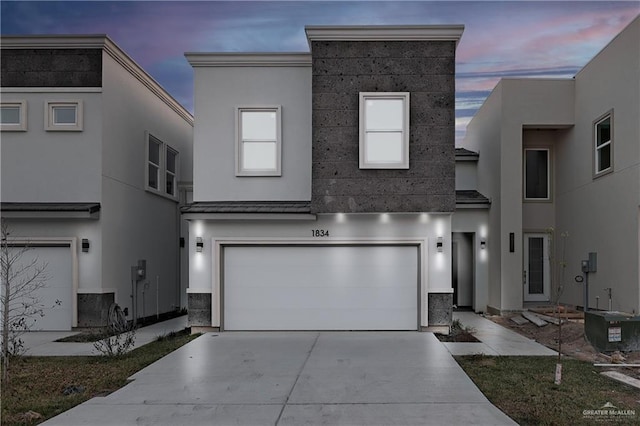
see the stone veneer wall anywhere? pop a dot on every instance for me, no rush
(342, 69)
(199, 309)
(51, 68)
(440, 309)
(93, 309)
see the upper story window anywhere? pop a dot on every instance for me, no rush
(603, 146)
(384, 130)
(537, 175)
(162, 168)
(153, 163)
(13, 116)
(258, 141)
(63, 116)
(171, 171)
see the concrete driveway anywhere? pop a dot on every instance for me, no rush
(306, 378)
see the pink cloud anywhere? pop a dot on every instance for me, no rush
(558, 41)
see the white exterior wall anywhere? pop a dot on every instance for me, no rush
(466, 175)
(41, 166)
(52, 166)
(421, 229)
(218, 91)
(601, 215)
(138, 224)
(89, 266)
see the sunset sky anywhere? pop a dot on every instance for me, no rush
(501, 39)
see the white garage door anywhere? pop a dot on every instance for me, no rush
(320, 287)
(58, 286)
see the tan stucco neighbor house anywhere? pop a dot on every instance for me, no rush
(560, 161)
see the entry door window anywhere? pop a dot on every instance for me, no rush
(536, 268)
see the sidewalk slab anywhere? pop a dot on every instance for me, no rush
(43, 343)
(495, 339)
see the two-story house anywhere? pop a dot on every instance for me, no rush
(324, 183)
(94, 155)
(560, 161)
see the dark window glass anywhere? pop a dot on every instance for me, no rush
(537, 174)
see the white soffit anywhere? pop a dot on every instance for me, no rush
(385, 33)
(243, 59)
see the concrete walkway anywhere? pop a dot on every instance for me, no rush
(43, 343)
(297, 378)
(494, 339)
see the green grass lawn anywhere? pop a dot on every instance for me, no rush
(37, 383)
(523, 388)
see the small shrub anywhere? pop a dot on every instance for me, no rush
(122, 332)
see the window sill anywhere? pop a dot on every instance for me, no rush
(259, 174)
(603, 173)
(63, 129)
(162, 194)
(384, 167)
(538, 201)
(12, 128)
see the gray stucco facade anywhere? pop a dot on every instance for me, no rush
(343, 69)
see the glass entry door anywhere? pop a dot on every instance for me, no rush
(536, 274)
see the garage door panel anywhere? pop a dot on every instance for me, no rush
(320, 288)
(335, 319)
(321, 298)
(57, 287)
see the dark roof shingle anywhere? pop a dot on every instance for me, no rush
(248, 207)
(471, 197)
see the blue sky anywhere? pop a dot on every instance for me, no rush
(501, 39)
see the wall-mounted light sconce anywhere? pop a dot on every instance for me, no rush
(199, 244)
(483, 244)
(85, 245)
(440, 244)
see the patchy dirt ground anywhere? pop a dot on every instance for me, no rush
(574, 344)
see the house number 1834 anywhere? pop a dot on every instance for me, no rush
(319, 232)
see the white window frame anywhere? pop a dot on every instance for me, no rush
(158, 166)
(162, 168)
(21, 126)
(240, 169)
(49, 117)
(174, 174)
(548, 197)
(597, 149)
(364, 97)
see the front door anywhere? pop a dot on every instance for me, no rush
(537, 273)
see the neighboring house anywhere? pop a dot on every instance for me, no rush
(94, 157)
(325, 187)
(558, 157)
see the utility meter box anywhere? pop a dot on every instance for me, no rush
(610, 331)
(591, 264)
